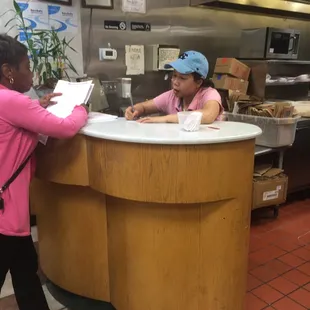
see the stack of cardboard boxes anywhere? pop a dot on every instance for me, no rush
(269, 186)
(231, 74)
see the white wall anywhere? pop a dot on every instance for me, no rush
(76, 58)
(6, 5)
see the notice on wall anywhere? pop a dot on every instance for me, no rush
(63, 18)
(35, 15)
(134, 6)
(41, 16)
(167, 55)
(134, 59)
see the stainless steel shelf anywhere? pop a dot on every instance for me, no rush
(277, 61)
(286, 83)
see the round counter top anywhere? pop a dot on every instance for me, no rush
(134, 132)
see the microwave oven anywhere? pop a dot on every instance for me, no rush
(269, 43)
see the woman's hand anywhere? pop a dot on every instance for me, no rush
(45, 101)
(155, 119)
(132, 115)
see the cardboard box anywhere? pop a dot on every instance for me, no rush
(269, 191)
(227, 82)
(233, 67)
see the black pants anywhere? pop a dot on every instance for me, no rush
(18, 255)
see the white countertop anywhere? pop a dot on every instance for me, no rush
(133, 132)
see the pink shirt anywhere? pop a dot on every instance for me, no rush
(21, 119)
(169, 103)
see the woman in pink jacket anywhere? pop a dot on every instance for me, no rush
(21, 120)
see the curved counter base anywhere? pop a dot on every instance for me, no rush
(148, 226)
(75, 302)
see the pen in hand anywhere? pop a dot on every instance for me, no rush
(132, 106)
(131, 103)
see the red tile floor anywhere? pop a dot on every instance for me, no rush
(279, 259)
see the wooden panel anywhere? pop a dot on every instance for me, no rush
(172, 232)
(63, 161)
(72, 228)
(169, 173)
(178, 256)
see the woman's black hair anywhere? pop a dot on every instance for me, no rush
(206, 82)
(11, 51)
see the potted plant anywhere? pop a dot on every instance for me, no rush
(48, 52)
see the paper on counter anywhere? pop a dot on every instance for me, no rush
(97, 117)
(134, 59)
(134, 6)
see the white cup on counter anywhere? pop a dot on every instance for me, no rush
(190, 120)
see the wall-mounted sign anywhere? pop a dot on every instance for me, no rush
(97, 4)
(140, 26)
(115, 25)
(134, 6)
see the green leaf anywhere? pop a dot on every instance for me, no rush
(17, 8)
(44, 77)
(6, 12)
(71, 66)
(57, 74)
(68, 43)
(48, 69)
(71, 48)
(53, 49)
(40, 68)
(67, 75)
(8, 22)
(11, 29)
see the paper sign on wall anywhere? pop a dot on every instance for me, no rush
(134, 59)
(41, 16)
(167, 55)
(63, 18)
(35, 14)
(134, 6)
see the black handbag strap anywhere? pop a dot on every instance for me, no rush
(15, 175)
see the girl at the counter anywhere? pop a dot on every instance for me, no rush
(21, 119)
(190, 91)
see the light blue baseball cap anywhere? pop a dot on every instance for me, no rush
(190, 62)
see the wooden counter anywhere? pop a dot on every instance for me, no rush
(153, 223)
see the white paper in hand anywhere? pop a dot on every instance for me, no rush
(73, 94)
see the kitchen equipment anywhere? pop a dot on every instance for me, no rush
(109, 91)
(108, 87)
(269, 43)
(123, 88)
(96, 100)
(118, 95)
